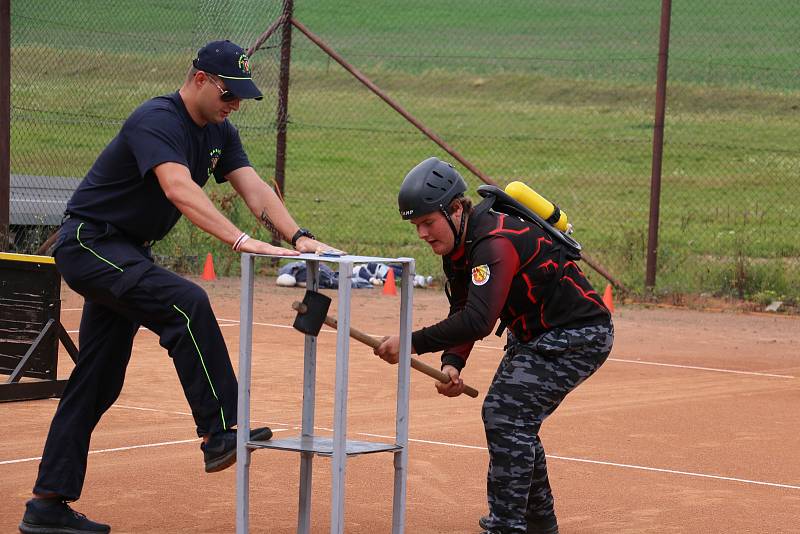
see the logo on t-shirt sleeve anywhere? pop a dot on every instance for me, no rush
(215, 154)
(480, 275)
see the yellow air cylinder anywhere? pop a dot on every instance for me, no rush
(536, 202)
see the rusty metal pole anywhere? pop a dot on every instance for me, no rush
(277, 23)
(283, 102)
(283, 94)
(392, 103)
(429, 133)
(5, 121)
(658, 147)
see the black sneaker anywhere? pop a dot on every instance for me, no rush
(54, 516)
(220, 451)
(544, 525)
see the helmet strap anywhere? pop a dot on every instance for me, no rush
(456, 234)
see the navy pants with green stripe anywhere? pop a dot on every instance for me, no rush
(123, 290)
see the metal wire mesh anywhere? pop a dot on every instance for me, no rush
(79, 68)
(561, 95)
(557, 94)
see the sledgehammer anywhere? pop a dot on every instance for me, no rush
(312, 314)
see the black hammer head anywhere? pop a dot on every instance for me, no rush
(311, 313)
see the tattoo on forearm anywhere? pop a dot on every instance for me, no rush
(276, 235)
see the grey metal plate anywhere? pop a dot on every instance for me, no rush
(323, 446)
(337, 259)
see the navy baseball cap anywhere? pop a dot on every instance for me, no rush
(231, 63)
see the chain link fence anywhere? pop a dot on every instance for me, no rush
(561, 95)
(557, 94)
(80, 67)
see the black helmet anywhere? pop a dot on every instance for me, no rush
(429, 187)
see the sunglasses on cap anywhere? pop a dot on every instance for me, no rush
(224, 94)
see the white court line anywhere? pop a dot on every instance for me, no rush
(491, 347)
(701, 368)
(422, 441)
(173, 412)
(673, 472)
(142, 328)
(233, 322)
(129, 448)
(117, 449)
(81, 309)
(599, 462)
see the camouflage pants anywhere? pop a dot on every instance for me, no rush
(531, 381)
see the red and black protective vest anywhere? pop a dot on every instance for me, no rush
(509, 269)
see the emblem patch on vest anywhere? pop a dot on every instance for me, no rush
(480, 275)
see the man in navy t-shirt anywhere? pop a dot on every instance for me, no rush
(150, 174)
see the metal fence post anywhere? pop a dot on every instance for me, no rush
(283, 98)
(5, 121)
(658, 146)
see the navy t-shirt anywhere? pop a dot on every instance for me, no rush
(121, 187)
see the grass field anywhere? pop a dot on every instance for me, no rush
(557, 94)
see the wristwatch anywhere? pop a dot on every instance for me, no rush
(300, 233)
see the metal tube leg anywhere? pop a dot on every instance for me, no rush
(403, 387)
(309, 393)
(243, 408)
(304, 506)
(340, 400)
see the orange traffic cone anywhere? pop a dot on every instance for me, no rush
(389, 287)
(208, 269)
(608, 298)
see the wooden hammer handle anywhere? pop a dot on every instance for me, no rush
(415, 363)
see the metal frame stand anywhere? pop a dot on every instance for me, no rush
(308, 444)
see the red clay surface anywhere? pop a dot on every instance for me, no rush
(691, 426)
